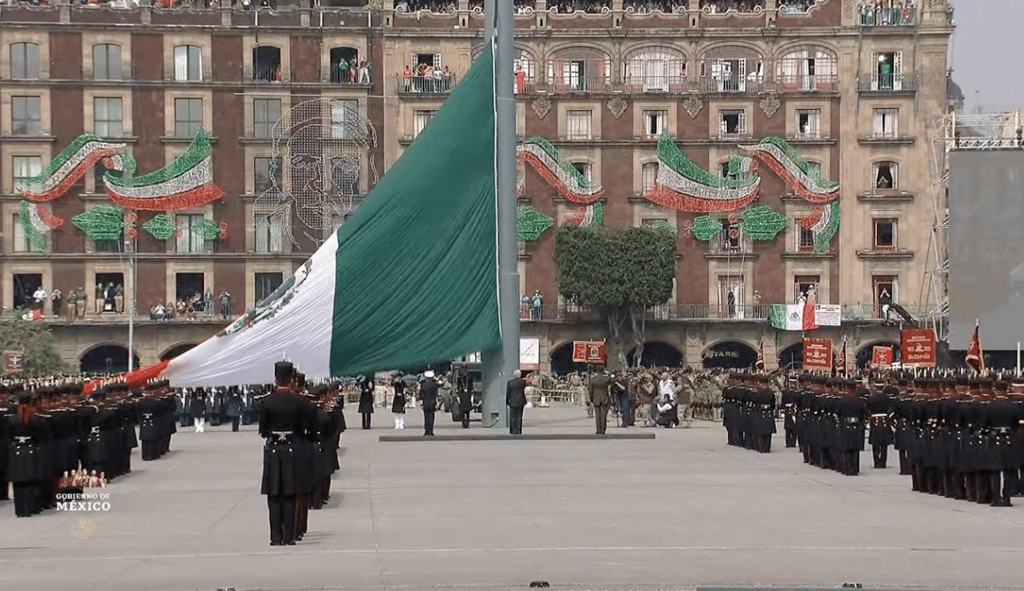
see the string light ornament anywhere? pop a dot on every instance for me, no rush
(530, 223)
(187, 183)
(545, 158)
(664, 225)
(68, 167)
(684, 186)
(103, 222)
(36, 223)
(325, 143)
(825, 225)
(756, 223)
(591, 216)
(162, 227)
(800, 177)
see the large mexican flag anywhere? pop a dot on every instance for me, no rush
(410, 279)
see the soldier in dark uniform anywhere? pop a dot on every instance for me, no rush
(515, 399)
(600, 397)
(234, 406)
(880, 436)
(464, 388)
(366, 386)
(1004, 417)
(428, 395)
(789, 409)
(283, 418)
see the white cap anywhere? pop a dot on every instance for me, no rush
(428, 374)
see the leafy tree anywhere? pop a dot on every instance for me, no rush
(620, 273)
(36, 341)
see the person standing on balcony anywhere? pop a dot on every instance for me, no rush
(58, 300)
(731, 303)
(225, 304)
(525, 304)
(447, 78)
(538, 304)
(353, 70)
(40, 298)
(364, 73)
(343, 71)
(520, 79)
(98, 302)
(407, 79)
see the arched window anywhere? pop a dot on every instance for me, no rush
(106, 62)
(648, 177)
(25, 61)
(525, 68)
(732, 69)
(885, 176)
(808, 69)
(579, 69)
(585, 169)
(655, 69)
(188, 63)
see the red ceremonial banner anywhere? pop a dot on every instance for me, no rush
(818, 354)
(918, 346)
(588, 351)
(881, 356)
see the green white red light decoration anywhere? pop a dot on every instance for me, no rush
(545, 158)
(36, 223)
(590, 216)
(824, 223)
(756, 223)
(683, 185)
(786, 162)
(68, 167)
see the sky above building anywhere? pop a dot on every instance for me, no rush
(983, 53)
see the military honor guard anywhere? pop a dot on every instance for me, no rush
(600, 397)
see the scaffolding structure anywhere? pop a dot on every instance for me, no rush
(954, 132)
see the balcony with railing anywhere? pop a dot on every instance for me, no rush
(890, 15)
(732, 83)
(724, 312)
(887, 83)
(570, 76)
(426, 85)
(807, 82)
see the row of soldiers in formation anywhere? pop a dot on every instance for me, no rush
(53, 439)
(959, 437)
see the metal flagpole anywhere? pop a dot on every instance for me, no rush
(499, 365)
(131, 309)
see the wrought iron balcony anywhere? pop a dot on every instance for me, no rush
(712, 312)
(807, 82)
(735, 83)
(870, 16)
(425, 84)
(883, 83)
(655, 83)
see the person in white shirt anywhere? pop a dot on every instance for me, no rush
(40, 297)
(668, 415)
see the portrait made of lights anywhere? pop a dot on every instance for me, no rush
(321, 148)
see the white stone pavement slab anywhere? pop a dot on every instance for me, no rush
(681, 511)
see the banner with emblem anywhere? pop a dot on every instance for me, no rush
(801, 317)
(818, 355)
(918, 346)
(14, 361)
(588, 351)
(881, 356)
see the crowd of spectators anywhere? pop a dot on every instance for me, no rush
(723, 6)
(888, 13)
(586, 7)
(649, 6)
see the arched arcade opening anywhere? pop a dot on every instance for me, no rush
(792, 357)
(657, 354)
(176, 350)
(734, 355)
(867, 352)
(107, 359)
(562, 363)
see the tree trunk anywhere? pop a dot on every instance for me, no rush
(616, 318)
(638, 318)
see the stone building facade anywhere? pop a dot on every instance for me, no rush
(854, 92)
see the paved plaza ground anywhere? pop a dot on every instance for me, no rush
(678, 512)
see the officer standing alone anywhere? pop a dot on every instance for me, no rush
(283, 417)
(600, 398)
(428, 394)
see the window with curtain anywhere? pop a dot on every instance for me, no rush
(106, 62)
(885, 175)
(266, 283)
(649, 177)
(188, 63)
(108, 119)
(887, 123)
(26, 117)
(25, 61)
(269, 235)
(265, 115)
(188, 117)
(189, 241)
(808, 123)
(578, 125)
(24, 169)
(420, 120)
(21, 241)
(341, 111)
